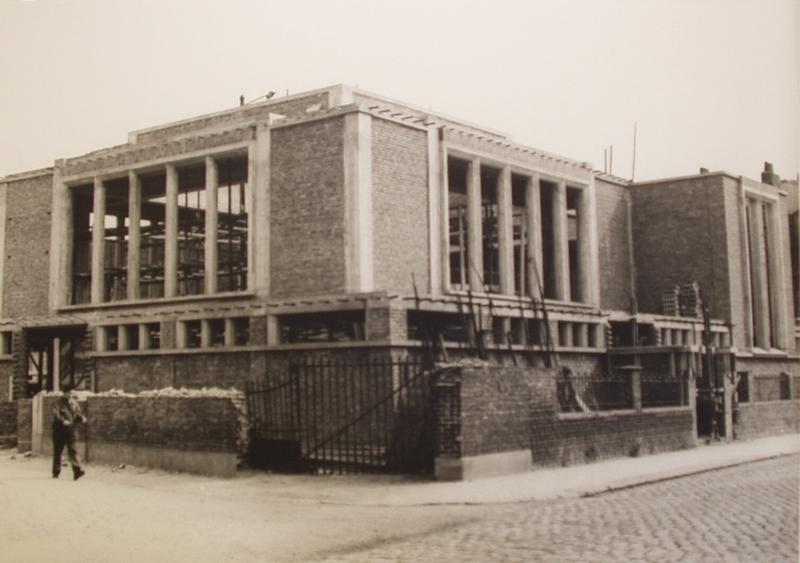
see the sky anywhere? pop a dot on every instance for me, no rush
(709, 83)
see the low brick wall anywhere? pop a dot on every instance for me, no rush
(768, 418)
(492, 420)
(196, 434)
(24, 429)
(8, 424)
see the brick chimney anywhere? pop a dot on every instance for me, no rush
(768, 176)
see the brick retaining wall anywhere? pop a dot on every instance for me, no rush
(768, 418)
(493, 411)
(198, 434)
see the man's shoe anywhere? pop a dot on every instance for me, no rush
(79, 473)
(55, 475)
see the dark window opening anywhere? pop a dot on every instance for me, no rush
(193, 334)
(153, 335)
(153, 236)
(341, 326)
(216, 329)
(241, 331)
(82, 222)
(548, 247)
(521, 233)
(131, 337)
(191, 229)
(232, 225)
(429, 325)
(115, 250)
(491, 233)
(457, 171)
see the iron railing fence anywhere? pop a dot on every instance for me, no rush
(343, 417)
(664, 389)
(593, 391)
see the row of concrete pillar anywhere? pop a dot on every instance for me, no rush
(766, 314)
(534, 277)
(171, 233)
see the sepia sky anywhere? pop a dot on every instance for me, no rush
(711, 83)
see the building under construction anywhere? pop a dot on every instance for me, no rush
(344, 224)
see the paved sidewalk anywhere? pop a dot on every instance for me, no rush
(540, 484)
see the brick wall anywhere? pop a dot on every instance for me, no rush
(6, 372)
(614, 245)
(307, 209)
(495, 409)
(192, 371)
(190, 423)
(399, 207)
(27, 260)
(769, 418)
(8, 418)
(679, 235)
(24, 420)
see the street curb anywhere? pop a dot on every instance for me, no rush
(618, 488)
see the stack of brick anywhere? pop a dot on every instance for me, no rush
(670, 301)
(690, 300)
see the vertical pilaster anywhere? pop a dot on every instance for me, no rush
(588, 244)
(205, 333)
(777, 293)
(533, 214)
(505, 232)
(61, 242)
(561, 242)
(3, 216)
(358, 198)
(211, 246)
(230, 333)
(474, 226)
(171, 234)
(435, 216)
(98, 242)
(134, 233)
(759, 273)
(748, 336)
(259, 173)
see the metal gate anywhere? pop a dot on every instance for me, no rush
(343, 417)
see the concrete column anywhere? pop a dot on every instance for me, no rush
(122, 338)
(259, 177)
(585, 240)
(591, 260)
(474, 226)
(435, 215)
(583, 335)
(759, 275)
(211, 246)
(180, 334)
(98, 242)
(561, 242)
(100, 339)
(61, 242)
(273, 330)
(505, 227)
(144, 337)
(533, 214)
(358, 202)
(666, 337)
(56, 363)
(205, 333)
(230, 333)
(134, 234)
(171, 235)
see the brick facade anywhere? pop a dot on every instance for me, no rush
(613, 239)
(400, 207)
(27, 260)
(680, 236)
(307, 203)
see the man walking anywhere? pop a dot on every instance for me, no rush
(66, 414)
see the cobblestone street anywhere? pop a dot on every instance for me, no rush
(745, 513)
